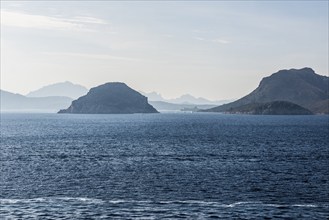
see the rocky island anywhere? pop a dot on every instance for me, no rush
(111, 98)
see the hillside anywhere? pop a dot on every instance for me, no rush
(270, 108)
(300, 86)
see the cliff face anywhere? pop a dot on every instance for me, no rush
(111, 98)
(300, 86)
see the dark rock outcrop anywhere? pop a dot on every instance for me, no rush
(300, 86)
(270, 108)
(111, 98)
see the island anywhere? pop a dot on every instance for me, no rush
(111, 98)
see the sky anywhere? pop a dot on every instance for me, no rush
(212, 49)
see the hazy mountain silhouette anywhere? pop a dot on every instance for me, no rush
(166, 106)
(67, 89)
(17, 102)
(186, 99)
(300, 86)
(111, 98)
(189, 99)
(153, 96)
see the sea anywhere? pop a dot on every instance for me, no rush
(164, 166)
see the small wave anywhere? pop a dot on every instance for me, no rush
(118, 201)
(80, 199)
(13, 201)
(166, 202)
(241, 204)
(236, 204)
(50, 199)
(271, 205)
(305, 205)
(212, 203)
(187, 202)
(73, 207)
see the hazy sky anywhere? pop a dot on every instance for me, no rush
(213, 49)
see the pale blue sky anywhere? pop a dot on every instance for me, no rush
(213, 49)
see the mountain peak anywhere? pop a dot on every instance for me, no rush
(302, 71)
(111, 87)
(187, 96)
(66, 88)
(117, 84)
(66, 82)
(308, 69)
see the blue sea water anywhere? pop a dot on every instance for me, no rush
(151, 166)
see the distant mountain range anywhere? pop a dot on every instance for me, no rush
(299, 86)
(67, 89)
(302, 87)
(183, 102)
(186, 99)
(17, 102)
(49, 98)
(59, 96)
(166, 106)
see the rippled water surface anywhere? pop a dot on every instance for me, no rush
(164, 166)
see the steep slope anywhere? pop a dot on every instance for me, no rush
(60, 89)
(300, 86)
(111, 98)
